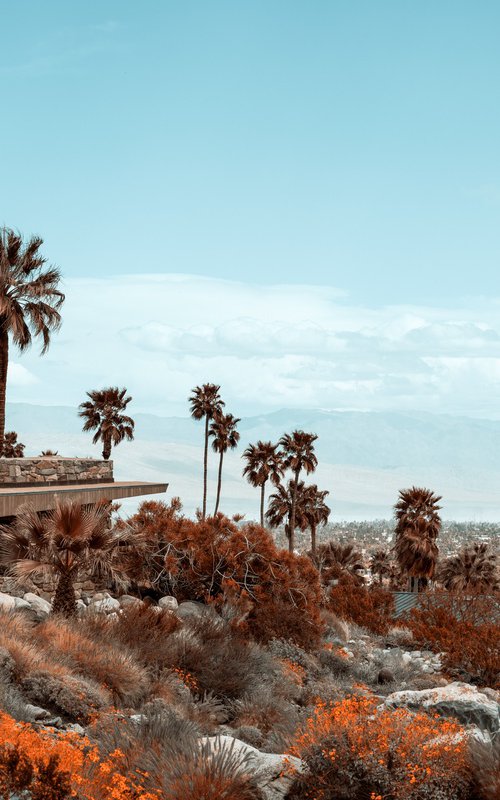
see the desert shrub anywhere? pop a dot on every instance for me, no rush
(354, 750)
(72, 697)
(152, 646)
(41, 781)
(399, 636)
(485, 760)
(55, 767)
(334, 627)
(217, 658)
(465, 629)
(371, 607)
(97, 658)
(277, 594)
(267, 710)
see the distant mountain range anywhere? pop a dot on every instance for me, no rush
(365, 457)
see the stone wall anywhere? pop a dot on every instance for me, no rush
(54, 470)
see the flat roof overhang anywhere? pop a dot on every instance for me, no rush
(44, 498)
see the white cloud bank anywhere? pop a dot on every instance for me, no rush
(268, 347)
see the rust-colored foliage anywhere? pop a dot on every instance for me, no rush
(55, 766)
(465, 628)
(371, 607)
(277, 594)
(352, 749)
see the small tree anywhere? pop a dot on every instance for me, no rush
(70, 540)
(315, 511)
(103, 414)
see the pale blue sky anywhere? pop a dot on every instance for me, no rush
(353, 143)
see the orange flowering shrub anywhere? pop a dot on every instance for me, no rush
(66, 764)
(352, 749)
(368, 606)
(465, 629)
(275, 594)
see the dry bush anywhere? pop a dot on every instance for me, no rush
(108, 665)
(371, 607)
(155, 627)
(218, 658)
(353, 750)
(399, 636)
(335, 628)
(465, 629)
(485, 760)
(72, 697)
(268, 711)
(277, 594)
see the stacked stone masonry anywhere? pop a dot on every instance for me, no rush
(54, 470)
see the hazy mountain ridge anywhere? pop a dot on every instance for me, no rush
(364, 456)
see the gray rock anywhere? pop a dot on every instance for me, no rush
(7, 603)
(19, 603)
(191, 608)
(36, 712)
(275, 773)
(37, 603)
(76, 728)
(128, 600)
(168, 602)
(385, 676)
(105, 606)
(460, 700)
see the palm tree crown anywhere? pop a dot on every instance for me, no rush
(315, 511)
(69, 540)
(417, 527)
(474, 568)
(225, 436)
(380, 564)
(205, 402)
(103, 413)
(263, 464)
(29, 300)
(335, 559)
(280, 507)
(297, 449)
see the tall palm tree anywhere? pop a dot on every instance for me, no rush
(297, 451)
(225, 437)
(263, 464)
(29, 301)
(103, 414)
(69, 540)
(335, 559)
(380, 564)
(315, 511)
(474, 568)
(279, 510)
(417, 527)
(205, 403)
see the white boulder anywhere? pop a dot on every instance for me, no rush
(37, 603)
(7, 603)
(169, 603)
(107, 605)
(274, 773)
(461, 700)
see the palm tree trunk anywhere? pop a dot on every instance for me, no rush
(219, 483)
(313, 541)
(291, 540)
(205, 470)
(262, 498)
(4, 363)
(106, 450)
(64, 599)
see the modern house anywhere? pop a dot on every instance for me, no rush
(42, 480)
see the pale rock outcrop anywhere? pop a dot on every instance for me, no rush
(274, 773)
(7, 602)
(168, 602)
(461, 700)
(37, 603)
(107, 605)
